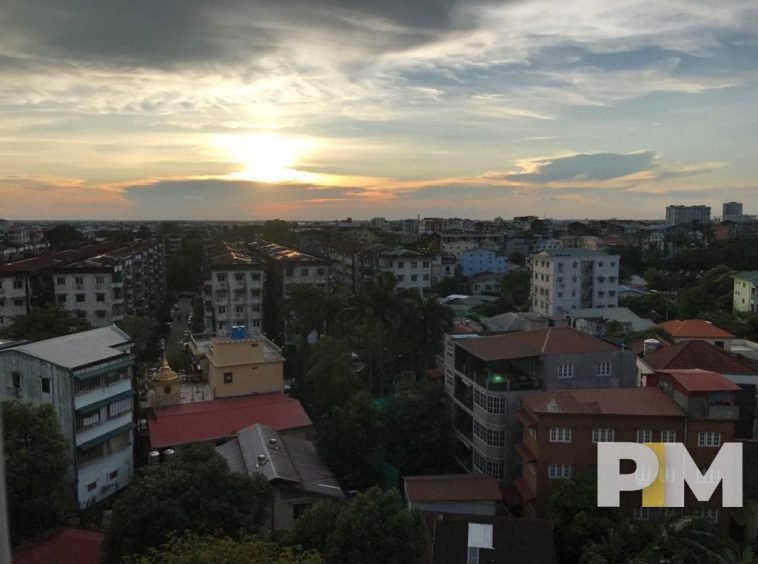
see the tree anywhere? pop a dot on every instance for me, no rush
(63, 236)
(689, 540)
(349, 441)
(278, 231)
(45, 323)
(36, 462)
(420, 333)
(312, 528)
(195, 549)
(572, 505)
(447, 286)
(416, 431)
(330, 380)
(142, 330)
(196, 492)
(376, 528)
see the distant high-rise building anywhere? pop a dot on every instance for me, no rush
(678, 215)
(731, 211)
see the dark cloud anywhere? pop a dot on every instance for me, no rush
(595, 166)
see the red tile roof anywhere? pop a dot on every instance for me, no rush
(64, 546)
(701, 381)
(608, 401)
(522, 344)
(216, 419)
(452, 487)
(694, 329)
(698, 354)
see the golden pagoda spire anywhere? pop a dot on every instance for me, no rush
(165, 374)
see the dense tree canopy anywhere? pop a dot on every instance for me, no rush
(45, 323)
(63, 236)
(36, 461)
(373, 528)
(194, 549)
(196, 492)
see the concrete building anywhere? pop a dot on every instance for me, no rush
(234, 291)
(291, 465)
(411, 269)
(99, 283)
(562, 428)
(485, 377)
(239, 365)
(478, 261)
(745, 298)
(87, 377)
(679, 215)
(567, 279)
(731, 211)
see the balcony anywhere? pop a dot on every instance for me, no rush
(88, 434)
(84, 399)
(501, 381)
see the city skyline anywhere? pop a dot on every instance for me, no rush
(321, 110)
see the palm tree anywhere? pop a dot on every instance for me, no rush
(688, 540)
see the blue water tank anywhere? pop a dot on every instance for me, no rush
(239, 332)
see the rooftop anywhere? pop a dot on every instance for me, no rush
(260, 448)
(694, 329)
(700, 381)
(609, 401)
(64, 546)
(280, 252)
(222, 418)
(697, 354)
(620, 314)
(575, 252)
(523, 344)
(750, 276)
(78, 349)
(452, 487)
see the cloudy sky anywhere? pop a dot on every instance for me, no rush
(319, 109)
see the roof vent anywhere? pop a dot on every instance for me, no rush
(273, 443)
(261, 460)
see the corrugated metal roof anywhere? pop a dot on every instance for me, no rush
(607, 401)
(78, 349)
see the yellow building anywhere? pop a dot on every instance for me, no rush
(745, 291)
(240, 366)
(165, 386)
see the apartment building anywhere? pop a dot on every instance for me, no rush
(87, 377)
(479, 260)
(745, 297)
(233, 293)
(286, 268)
(562, 429)
(567, 279)
(99, 283)
(731, 211)
(697, 330)
(486, 376)
(411, 269)
(684, 215)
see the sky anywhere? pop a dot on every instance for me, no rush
(326, 109)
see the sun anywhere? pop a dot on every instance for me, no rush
(265, 158)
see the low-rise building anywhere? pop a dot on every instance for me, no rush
(87, 377)
(697, 330)
(472, 494)
(479, 260)
(291, 465)
(562, 429)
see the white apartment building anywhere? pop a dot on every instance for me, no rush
(87, 377)
(745, 297)
(233, 295)
(566, 279)
(412, 270)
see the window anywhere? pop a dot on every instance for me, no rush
(92, 487)
(493, 437)
(320, 271)
(83, 456)
(100, 313)
(644, 436)
(559, 471)
(99, 279)
(668, 436)
(239, 277)
(401, 277)
(113, 475)
(239, 309)
(16, 377)
(100, 297)
(414, 277)
(603, 368)
(256, 323)
(709, 439)
(642, 513)
(255, 292)
(425, 264)
(87, 419)
(491, 403)
(560, 434)
(222, 309)
(255, 307)
(710, 514)
(227, 377)
(78, 280)
(565, 370)
(18, 283)
(79, 298)
(414, 264)
(426, 277)
(602, 435)
(60, 281)
(304, 272)
(255, 276)
(18, 302)
(221, 277)
(45, 385)
(533, 432)
(61, 298)
(118, 407)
